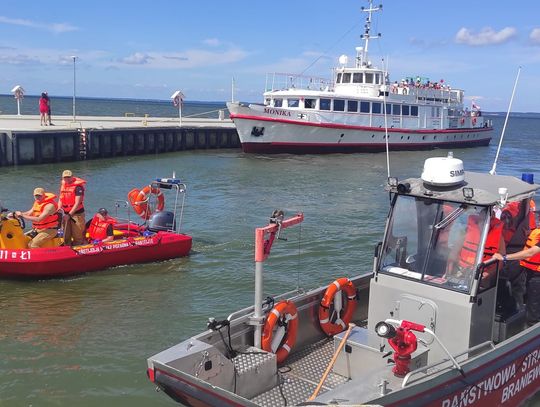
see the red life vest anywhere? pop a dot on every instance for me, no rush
(51, 221)
(532, 263)
(467, 256)
(98, 228)
(67, 194)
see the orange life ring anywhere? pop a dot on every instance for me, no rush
(325, 316)
(285, 312)
(140, 201)
(462, 121)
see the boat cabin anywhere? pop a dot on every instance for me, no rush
(430, 268)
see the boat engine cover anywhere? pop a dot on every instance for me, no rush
(161, 221)
(443, 171)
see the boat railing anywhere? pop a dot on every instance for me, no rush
(120, 204)
(249, 310)
(430, 370)
(281, 81)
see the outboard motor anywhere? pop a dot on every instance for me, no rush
(161, 221)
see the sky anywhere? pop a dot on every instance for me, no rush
(149, 49)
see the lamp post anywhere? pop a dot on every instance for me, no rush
(74, 85)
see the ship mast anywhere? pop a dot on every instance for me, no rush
(361, 58)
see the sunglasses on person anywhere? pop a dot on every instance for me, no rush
(38, 196)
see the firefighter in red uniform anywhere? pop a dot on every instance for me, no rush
(100, 228)
(530, 262)
(44, 217)
(71, 201)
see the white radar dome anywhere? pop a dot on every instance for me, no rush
(443, 171)
(343, 59)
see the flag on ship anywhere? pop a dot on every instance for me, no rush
(475, 106)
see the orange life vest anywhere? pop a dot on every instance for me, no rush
(67, 194)
(532, 218)
(532, 263)
(467, 256)
(51, 221)
(98, 228)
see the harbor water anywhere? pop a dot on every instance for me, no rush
(84, 341)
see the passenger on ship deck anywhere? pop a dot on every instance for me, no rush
(100, 228)
(44, 217)
(71, 201)
(530, 263)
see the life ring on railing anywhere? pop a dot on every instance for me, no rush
(474, 121)
(331, 300)
(140, 201)
(462, 121)
(280, 342)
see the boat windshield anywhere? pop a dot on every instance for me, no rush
(435, 242)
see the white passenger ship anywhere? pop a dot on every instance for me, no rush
(357, 112)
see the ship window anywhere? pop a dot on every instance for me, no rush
(414, 110)
(352, 106)
(405, 110)
(436, 243)
(396, 110)
(338, 80)
(339, 105)
(358, 77)
(267, 101)
(369, 78)
(388, 108)
(278, 102)
(346, 77)
(293, 102)
(364, 107)
(377, 79)
(324, 104)
(310, 103)
(376, 107)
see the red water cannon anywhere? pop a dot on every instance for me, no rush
(402, 340)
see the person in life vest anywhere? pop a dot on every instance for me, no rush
(71, 201)
(100, 228)
(44, 218)
(530, 262)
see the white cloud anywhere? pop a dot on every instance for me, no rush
(54, 27)
(187, 59)
(534, 36)
(137, 58)
(213, 42)
(487, 36)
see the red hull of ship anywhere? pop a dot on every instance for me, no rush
(66, 261)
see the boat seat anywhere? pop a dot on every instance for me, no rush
(510, 318)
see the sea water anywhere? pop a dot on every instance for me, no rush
(84, 341)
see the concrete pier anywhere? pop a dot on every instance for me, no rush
(24, 141)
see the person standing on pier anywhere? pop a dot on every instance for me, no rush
(72, 203)
(49, 109)
(44, 217)
(43, 109)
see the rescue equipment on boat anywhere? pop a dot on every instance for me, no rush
(140, 200)
(402, 340)
(332, 299)
(443, 171)
(280, 342)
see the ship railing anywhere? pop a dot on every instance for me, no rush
(281, 81)
(430, 370)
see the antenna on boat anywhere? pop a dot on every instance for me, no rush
(385, 66)
(232, 89)
(492, 171)
(366, 36)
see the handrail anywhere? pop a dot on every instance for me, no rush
(427, 367)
